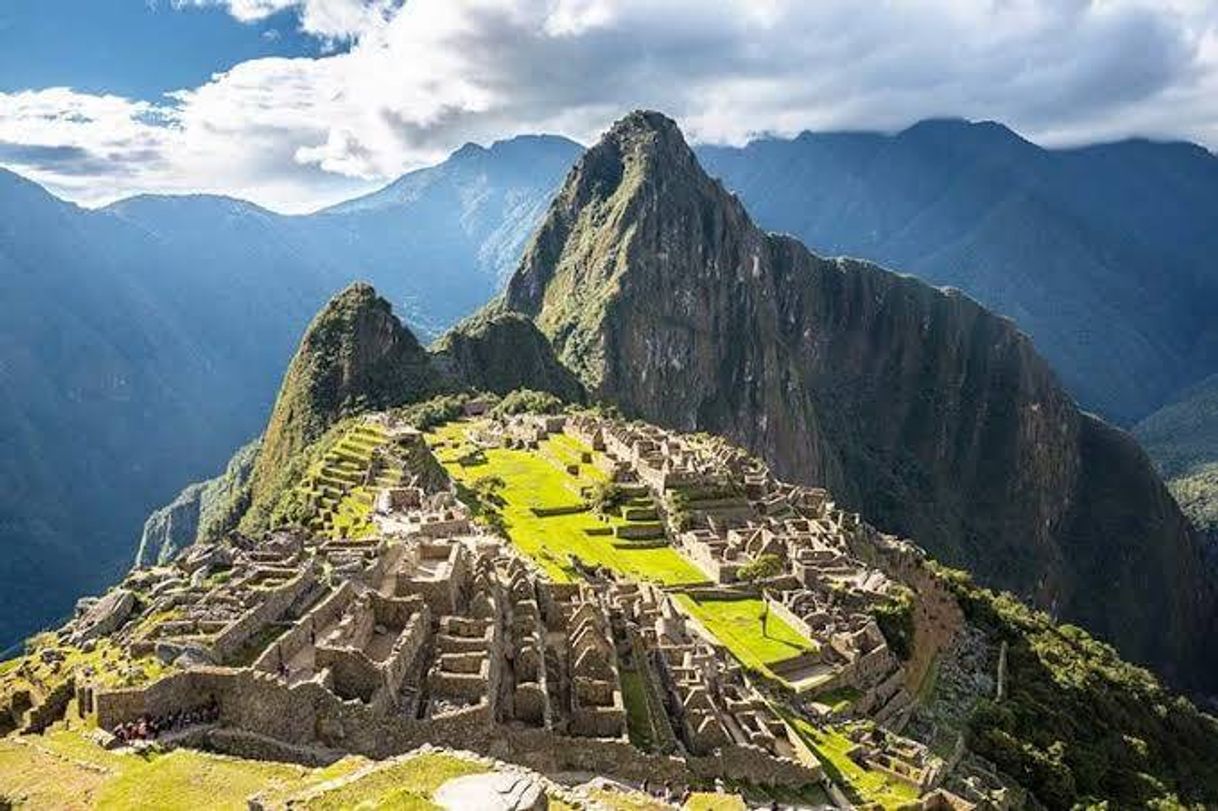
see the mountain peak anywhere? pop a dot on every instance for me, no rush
(661, 295)
(651, 136)
(354, 355)
(638, 178)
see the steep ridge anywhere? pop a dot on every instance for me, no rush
(196, 511)
(918, 406)
(1102, 253)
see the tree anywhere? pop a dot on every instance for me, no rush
(762, 568)
(605, 497)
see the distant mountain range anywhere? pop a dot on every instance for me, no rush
(1105, 254)
(141, 343)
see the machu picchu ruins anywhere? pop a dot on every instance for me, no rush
(569, 592)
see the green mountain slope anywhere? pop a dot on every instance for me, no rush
(1182, 438)
(355, 356)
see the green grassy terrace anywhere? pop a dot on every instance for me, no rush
(533, 482)
(737, 624)
(341, 486)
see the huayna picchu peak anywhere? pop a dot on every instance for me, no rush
(680, 520)
(916, 405)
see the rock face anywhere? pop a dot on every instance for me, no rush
(355, 355)
(916, 405)
(501, 353)
(1103, 254)
(194, 511)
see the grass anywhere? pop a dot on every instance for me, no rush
(830, 746)
(737, 624)
(335, 484)
(405, 785)
(187, 780)
(63, 770)
(626, 801)
(839, 699)
(710, 801)
(638, 713)
(533, 481)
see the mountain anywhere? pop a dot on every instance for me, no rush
(457, 229)
(196, 512)
(503, 352)
(917, 406)
(117, 383)
(355, 355)
(142, 342)
(1103, 254)
(1182, 438)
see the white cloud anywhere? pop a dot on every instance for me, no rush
(421, 78)
(329, 19)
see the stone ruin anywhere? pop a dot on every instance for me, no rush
(438, 629)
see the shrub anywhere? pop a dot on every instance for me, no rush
(605, 497)
(527, 401)
(895, 618)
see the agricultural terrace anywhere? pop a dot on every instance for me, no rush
(341, 485)
(831, 747)
(737, 623)
(544, 512)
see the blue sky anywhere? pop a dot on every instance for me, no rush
(134, 48)
(299, 103)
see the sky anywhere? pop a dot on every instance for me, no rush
(296, 104)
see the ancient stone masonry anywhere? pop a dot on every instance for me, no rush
(439, 629)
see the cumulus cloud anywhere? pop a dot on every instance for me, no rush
(329, 19)
(420, 78)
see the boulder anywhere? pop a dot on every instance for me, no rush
(494, 791)
(105, 616)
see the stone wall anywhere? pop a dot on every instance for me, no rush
(306, 713)
(273, 606)
(304, 633)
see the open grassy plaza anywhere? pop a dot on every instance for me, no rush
(737, 623)
(544, 512)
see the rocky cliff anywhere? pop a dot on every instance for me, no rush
(195, 511)
(916, 405)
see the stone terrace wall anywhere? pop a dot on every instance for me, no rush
(307, 713)
(297, 638)
(276, 603)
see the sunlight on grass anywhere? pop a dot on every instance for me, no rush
(737, 624)
(831, 746)
(532, 481)
(406, 785)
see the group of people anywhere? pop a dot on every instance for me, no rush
(667, 793)
(146, 729)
